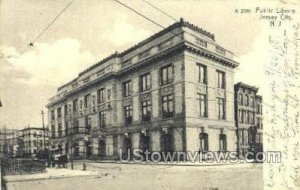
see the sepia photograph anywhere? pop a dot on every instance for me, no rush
(149, 94)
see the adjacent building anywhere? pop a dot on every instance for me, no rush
(248, 116)
(171, 92)
(31, 140)
(8, 142)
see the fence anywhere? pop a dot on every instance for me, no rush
(22, 166)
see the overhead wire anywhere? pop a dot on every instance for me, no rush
(47, 27)
(160, 10)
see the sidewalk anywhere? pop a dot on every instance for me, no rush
(51, 173)
(241, 163)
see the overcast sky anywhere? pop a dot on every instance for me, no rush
(88, 31)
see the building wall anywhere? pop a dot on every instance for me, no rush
(210, 124)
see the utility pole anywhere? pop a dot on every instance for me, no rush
(44, 147)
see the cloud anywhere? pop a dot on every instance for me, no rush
(252, 64)
(44, 63)
(123, 32)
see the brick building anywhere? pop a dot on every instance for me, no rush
(248, 116)
(170, 92)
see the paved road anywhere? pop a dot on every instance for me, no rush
(128, 176)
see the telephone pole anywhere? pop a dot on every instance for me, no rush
(44, 135)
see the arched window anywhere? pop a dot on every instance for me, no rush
(240, 100)
(246, 100)
(203, 142)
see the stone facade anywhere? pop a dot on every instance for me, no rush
(171, 92)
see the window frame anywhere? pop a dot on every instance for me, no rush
(75, 105)
(222, 138)
(202, 79)
(102, 119)
(202, 98)
(147, 78)
(147, 107)
(168, 79)
(204, 146)
(128, 114)
(87, 101)
(169, 102)
(221, 104)
(101, 95)
(127, 88)
(221, 81)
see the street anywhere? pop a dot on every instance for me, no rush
(129, 176)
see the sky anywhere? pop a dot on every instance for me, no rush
(88, 31)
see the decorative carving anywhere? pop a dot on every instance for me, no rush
(146, 96)
(201, 88)
(109, 68)
(201, 42)
(100, 72)
(101, 107)
(126, 63)
(220, 93)
(127, 102)
(167, 90)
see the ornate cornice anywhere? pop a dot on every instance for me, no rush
(154, 60)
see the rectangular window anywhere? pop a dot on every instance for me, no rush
(146, 110)
(202, 105)
(241, 116)
(52, 115)
(246, 117)
(59, 130)
(67, 127)
(101, 95)
(240, 100)
(102, 117)
(167, 106)
(59, 112)
(203, 142)
(220, 79)
(145, 82)
(246, 100)
(75, 105)
(127, 88)
(252, 102)
(241, 136)
(202, 74)
(251, 118)
(87, 101)
(88, 124)
(166, 75)
(128, 114)
(66, 110)
(223, 143)
(246, 137)
(52, 131)
(76, 126)
(221, 108)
